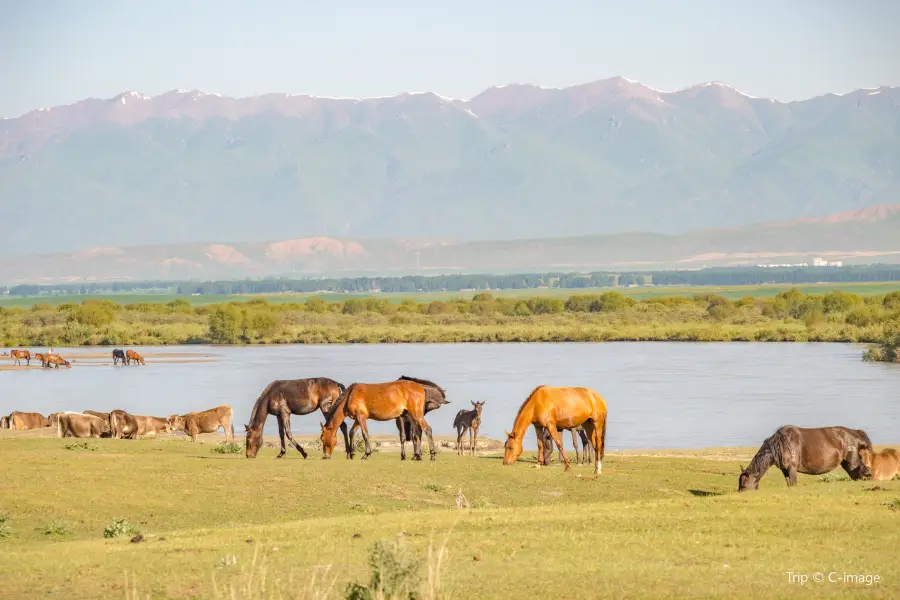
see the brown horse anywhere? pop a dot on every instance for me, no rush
(882, 466)
(56, 360)
(379, 402)
(38, 357)
(131, 355)
(284, 398)
(556, 408)
(545, 446)
(435, 397)
(18, 355)
(812, 451)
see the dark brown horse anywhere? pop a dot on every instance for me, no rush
(18, 355)
(435, 397)
(286, 397)
(379, 402)
(545, 446)
(811, 451)
(468, 420)
(555, 409)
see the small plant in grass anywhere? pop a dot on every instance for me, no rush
(227, 448)
(80, 447)
(359, 446)
(119, 528)
(396, 573)
(55, 529)
(893, 504)
(5, 529)
(433, 487)
(831, 477)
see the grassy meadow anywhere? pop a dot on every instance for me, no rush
(790, 315)
(216, 525)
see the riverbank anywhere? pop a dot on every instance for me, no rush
(218, 525)
(788, 317)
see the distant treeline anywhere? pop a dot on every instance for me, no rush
(436, 283)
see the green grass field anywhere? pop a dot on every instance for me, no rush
(638, 293)
(222, 526)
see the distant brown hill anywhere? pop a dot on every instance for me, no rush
(864, 236)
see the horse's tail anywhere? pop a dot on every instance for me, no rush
(458, 418)
(59, 427)
(602, 447)
(231, 421)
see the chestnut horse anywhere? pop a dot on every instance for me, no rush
(556, 408)
(812, 451)
(379, 402)
(131, 355)
(435, 397)
(18, 355)
(284, 398)
(55, 360)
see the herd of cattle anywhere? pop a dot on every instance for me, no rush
(122, 425)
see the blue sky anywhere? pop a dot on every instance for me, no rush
(56, 52)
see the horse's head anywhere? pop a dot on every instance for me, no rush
(478, 406)
(746, 481)
(512, 449)
(253, 442)
(329, 440)
(864, 469)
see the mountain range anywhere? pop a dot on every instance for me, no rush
(863, 236)
(516, 161)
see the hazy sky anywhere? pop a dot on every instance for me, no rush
(59, 51)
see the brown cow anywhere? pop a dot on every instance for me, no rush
(80, 425)
(53, 418)
(4, 422)
(27, 420)
(151, 426)
(123, 425)
(207, 421)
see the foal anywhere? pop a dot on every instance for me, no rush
(468, 420)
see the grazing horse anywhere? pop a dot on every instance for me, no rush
(545, 447)
(468, 420)
(119, 355)
(380, 402)
(284, 398)
(435, 397)
(882, 466)
(556, 408)
(132, 356)
(18, 355)
(55, 360)
(812, 451)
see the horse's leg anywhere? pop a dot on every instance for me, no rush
(364, 429)
(540, 444)
(416, 435)
(402, 427)
(290, 436)
(460, 432)
(557, 439)
(423, 424)
(791, 476)
(578, 454)
(349, 447)
(473, 434)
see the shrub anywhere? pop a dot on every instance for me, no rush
(395, 573)
(227, 448)
(55, 529)
(5, 529)
(119, 528)
(93, 315)
(224, 324)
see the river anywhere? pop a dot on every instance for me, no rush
(659, 395)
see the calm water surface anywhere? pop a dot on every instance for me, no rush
(659, 395)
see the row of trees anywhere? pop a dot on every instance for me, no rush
(412, 284)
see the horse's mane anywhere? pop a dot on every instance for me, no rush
(533, 392)
(424, 382)
(339, 405)
(769, 453)
(259, 413)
